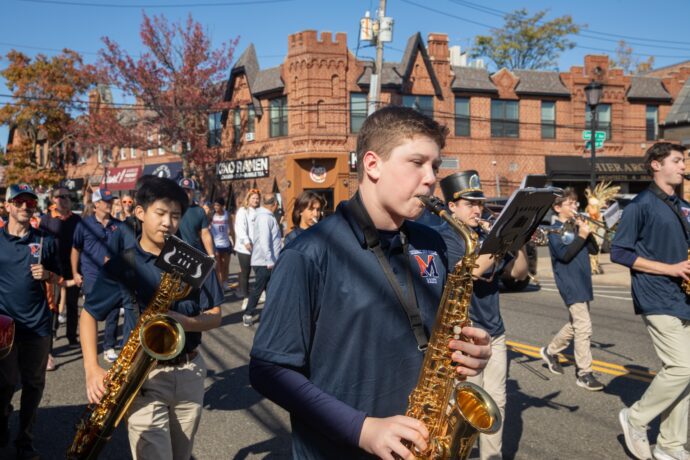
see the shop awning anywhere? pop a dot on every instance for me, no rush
(575, 168)
(172, 170)
(123, 178)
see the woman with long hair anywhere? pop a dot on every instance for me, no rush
(244, 234)
(220, 230)
(307, 212)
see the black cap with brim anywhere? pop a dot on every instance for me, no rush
(462, 185)
(14, 190)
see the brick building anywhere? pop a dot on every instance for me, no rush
(303, 116)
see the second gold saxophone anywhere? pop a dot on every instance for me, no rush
(454, 411)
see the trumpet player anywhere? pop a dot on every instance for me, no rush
(653, 240)
(463, 194)
(573, 275)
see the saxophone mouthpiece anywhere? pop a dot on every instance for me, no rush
(432, 203)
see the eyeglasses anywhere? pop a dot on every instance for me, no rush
(29, 202)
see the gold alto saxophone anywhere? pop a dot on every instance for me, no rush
(156, 336)
(453, 410)
(686, 284)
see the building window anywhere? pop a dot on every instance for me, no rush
(236, 126)
(358, 111)
(424, 104)
(161, 150)
(462, 116)
(100, 155)
(132, 152)
(251, 118)
(149, 140)
(505, 118)
(215, 129)
(548, 120)
(603, 119)
(652, 122)
(123, 153)
(278, 117)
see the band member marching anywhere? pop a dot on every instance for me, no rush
(652, 239)
(572, 272)
(464, 196)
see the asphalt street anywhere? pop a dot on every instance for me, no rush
(547, 416)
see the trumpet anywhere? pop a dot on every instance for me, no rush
(566, 231)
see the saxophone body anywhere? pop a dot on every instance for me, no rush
(454, 411)
(155, 337)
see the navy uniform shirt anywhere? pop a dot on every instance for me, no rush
(123, 238)
(651, 229)
(574, 277)
(292, 236)
(91, 238)
(193, 220)
(332, 315)
(21, 296)
(116, 283)
(62, 230)
(485, 308)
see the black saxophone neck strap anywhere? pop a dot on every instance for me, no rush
(373, 242)
(667, 199)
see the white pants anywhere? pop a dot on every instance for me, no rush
(493, 380)
(164, 417)
(668, 393)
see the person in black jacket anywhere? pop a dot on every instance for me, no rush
(573, 275)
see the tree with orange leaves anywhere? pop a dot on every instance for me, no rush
(47, 91)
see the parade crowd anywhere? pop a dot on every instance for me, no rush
(348, 300)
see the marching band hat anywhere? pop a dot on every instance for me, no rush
(14, 190)
(463, 184)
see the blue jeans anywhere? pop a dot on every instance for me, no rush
(262, 274)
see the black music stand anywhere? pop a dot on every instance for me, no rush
(519, 219)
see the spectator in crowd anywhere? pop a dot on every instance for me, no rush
(267, 245)
(89, 251)
(244, 232)
(220, 229)
(28, 257)
(3, 214)
(194, 224)
(117, 210)
(307, 212)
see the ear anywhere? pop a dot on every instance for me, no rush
(656, 165)
(139, 212)
(372, 165)
(452, 206)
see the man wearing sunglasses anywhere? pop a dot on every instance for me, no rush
(27, 258)
(61, 223)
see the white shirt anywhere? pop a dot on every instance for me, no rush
(219, 230)
(244, 229)
(267, 241)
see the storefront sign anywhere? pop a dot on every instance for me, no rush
(317, 174)
(122, 178)
(248, 168)
(619, 169)
(171, 170)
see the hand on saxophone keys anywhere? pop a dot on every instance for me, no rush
(383, 436)
(95, 388)
(472, 354)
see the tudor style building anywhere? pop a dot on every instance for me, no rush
(303, 116)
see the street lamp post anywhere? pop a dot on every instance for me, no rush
(593, 95)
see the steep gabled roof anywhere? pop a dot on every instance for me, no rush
(248, 65)
(680, 110)
(647, 88)
(471, 79)
(541, 83)
(268, 81)
(415, 45)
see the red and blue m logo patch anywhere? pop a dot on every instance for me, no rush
(427, 267)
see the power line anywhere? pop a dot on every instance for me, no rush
(154, 5)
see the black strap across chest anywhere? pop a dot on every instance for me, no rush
(667, 199)
(373, 241)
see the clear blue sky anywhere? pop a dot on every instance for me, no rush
(46, 26)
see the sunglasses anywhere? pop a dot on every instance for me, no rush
(29, 202)
(127, 202)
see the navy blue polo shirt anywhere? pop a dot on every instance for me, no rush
(651, 229)
(62, 230)
(193, 220)
(91, 239)
(115, 284)
(332, 315)
(485, 308)
(122, 239)
(573, 278)
(21, 296)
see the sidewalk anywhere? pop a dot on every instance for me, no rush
(614, 274)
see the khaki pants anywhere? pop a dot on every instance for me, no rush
(578, 328)
(493, 380)
(668, 393)
(164, 417)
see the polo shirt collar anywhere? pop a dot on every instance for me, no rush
(145, 255)
(13, 238)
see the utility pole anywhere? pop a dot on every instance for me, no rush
(382, 32)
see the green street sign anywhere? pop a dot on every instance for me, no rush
(597, 143)
(599, 136)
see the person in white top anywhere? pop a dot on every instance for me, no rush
(220, 231)
(244, 229)
(267, 246)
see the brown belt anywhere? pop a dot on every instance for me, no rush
(182, 358)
